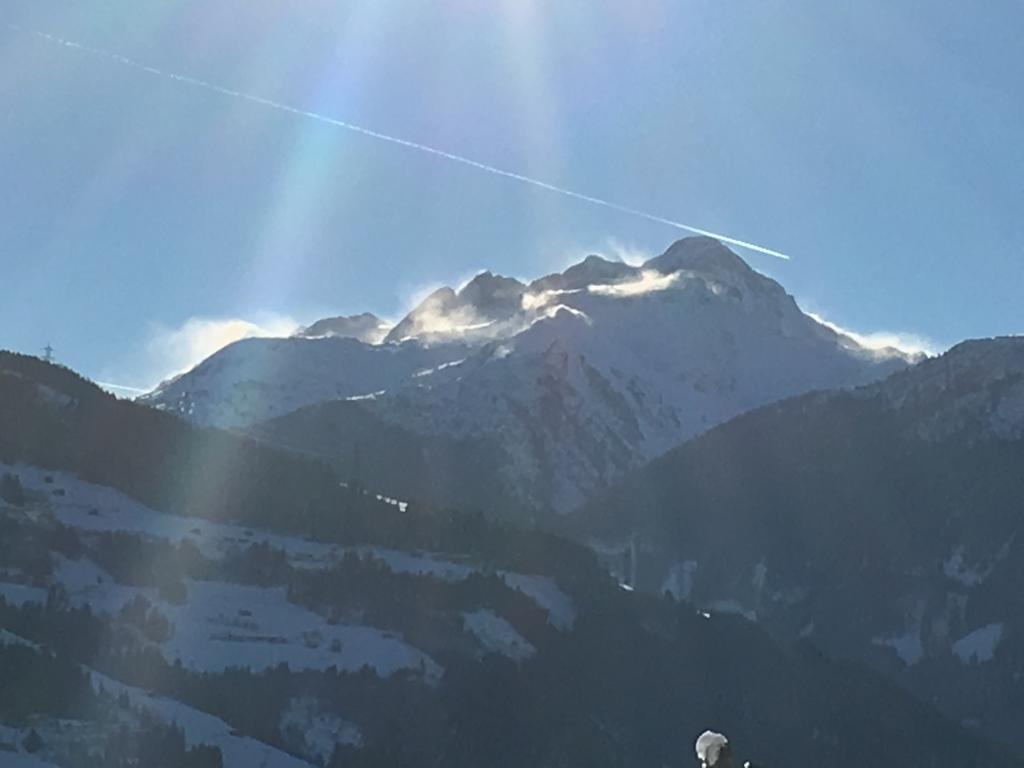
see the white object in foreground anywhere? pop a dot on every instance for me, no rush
(709, 748)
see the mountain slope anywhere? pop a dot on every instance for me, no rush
(383, 455)
(279, 638)
(608, 375)
(257, 379)
(576, 378)
(881, 523)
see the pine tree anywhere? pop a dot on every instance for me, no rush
(11, 490)
(33, 742)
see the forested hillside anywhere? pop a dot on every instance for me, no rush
(301, 620)
(881, 524)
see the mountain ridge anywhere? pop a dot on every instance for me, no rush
(365, 327)
(879, 523)
(580, 375)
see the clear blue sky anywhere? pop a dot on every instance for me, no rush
(880, 143)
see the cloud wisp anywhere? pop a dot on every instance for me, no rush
(628, 254)
(911, 343)
(649, 280)
(197, 338)
(415, 145)
(170, 351)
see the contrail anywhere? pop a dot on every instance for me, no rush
(396, 140)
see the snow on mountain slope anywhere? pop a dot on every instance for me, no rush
(319, 732)
(88, 508)
(12, 738)
(544, 592)
(256, 379)
(200, 728)
(580, 376)
(16, 593)
(498, 636)
(487, 307)
(223, 625)
(609, 375)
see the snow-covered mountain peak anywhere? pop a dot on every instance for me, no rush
(699, 254)
(481, 310)
(593, 270)
(492, 307)
(366, 327)
(603, 375)
(490, 291)
(719, 268)
(438, 311)
(578, 377)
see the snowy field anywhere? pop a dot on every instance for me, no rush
(980, 645)
(320, 731)
(89, 507)
(497, 635)
(19, 594)
(223, 625)
(201, 728)
(22, 760)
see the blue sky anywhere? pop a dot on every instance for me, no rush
(878, 143)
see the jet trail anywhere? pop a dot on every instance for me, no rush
(396, 140)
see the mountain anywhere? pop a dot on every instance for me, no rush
(175, 595)
(363, 446)
(257, 379)
(883, 524)
(366, 327)
(488, 306)
(576, 378)
(593, 270)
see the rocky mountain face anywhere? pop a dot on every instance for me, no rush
(576, 378)
(366, 327)
(882, 524)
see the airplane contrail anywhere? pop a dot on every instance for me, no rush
(395, 140)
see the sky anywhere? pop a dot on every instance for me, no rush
(144, 220)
